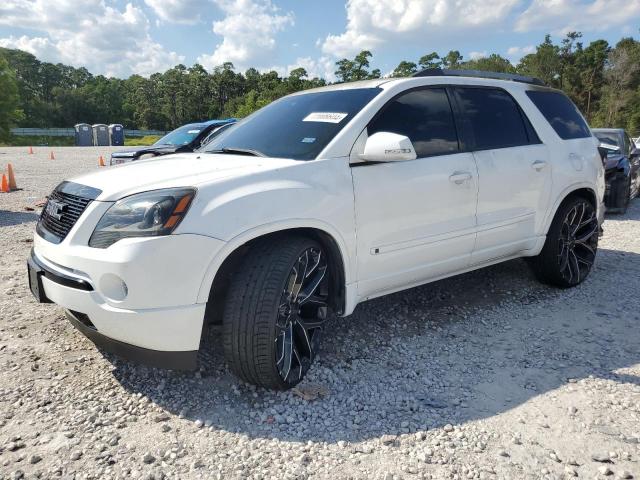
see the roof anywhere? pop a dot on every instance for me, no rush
(347, 86)
(426, 80)
(218, 121)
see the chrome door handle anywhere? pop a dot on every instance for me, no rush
(459, 177)
(538, 165)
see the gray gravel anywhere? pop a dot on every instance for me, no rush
(486, 375)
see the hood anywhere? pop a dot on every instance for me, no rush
(134, 152)
(180, 170)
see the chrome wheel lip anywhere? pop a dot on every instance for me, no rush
(578, 243)
(300, 315)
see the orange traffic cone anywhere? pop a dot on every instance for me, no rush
(101, 162)
(12, 178)
(4, 186)
(52, 156)
(30, 150)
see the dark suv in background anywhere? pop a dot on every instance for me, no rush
(187, 138)
(621, 160)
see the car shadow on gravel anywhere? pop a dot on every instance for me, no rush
(454, 351)
(9, 218)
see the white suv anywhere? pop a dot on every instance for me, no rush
(321, 200)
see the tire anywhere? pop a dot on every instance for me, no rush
(571, 245)
(627, 197)
(273, 316)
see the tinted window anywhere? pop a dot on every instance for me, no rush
(297, 127)
(425, 117)
(492, 117)
(561, 113)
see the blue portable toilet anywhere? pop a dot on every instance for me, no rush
(84, 135)
(100, 135)
(116, 134)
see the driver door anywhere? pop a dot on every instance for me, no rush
(415, 219)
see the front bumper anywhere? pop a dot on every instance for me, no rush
(153, 358)
(159, 322)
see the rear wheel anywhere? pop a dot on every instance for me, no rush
(571, 245)
(275, 311)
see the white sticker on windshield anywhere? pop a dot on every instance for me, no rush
(308, 140)
(193, 131)
(327, 117)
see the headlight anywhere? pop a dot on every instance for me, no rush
(148, 214)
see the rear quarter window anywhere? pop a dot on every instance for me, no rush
(561, 113)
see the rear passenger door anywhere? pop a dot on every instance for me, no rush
(514, 171)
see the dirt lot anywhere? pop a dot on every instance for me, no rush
(486, 375)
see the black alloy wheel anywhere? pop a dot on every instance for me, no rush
(578, 243)
(570, 249)
(301, 315)
(275, 310)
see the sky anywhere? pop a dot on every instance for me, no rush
(123, 37)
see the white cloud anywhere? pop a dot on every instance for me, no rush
(371, 23)
(248, 33)
(477, 55)
(178, 11)
(562, 16)
(102, 38)
(322, 67)
(516, 53)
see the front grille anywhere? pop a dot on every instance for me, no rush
(69, 208)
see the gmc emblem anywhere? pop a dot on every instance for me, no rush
(55, 209)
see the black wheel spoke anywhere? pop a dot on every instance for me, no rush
(311, 285)
(301, 315)
(577, 243)
(588, 233)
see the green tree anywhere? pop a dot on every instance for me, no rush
(356, 69)
(452, 60)
(405, 69)
(492, 63)
(430, 60)
(10, 112)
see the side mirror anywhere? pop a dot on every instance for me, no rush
(388, 147)
(603, 153)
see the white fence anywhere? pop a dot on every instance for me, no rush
(70, 132)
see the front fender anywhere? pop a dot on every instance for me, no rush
(265, 229)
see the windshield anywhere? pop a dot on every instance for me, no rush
(297, 127)
(182, 135)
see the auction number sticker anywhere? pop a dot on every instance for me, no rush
(327, 117)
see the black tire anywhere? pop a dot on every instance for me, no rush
(625, 194)
(571, 245)
(263, 323)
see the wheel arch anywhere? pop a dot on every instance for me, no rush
(587, 192)
(216, 280)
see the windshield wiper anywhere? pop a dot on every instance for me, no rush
(238, 151)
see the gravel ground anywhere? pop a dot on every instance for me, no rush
(486, 375)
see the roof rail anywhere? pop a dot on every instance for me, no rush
(437, 72)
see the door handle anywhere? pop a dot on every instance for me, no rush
(538, 165)
(459, 177)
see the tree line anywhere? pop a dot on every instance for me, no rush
(603, 80)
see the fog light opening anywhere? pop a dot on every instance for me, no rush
(113, 287)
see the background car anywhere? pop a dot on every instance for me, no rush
(187, 138)
(622, 167)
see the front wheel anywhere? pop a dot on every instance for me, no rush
(275, 310)
(571, 245)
